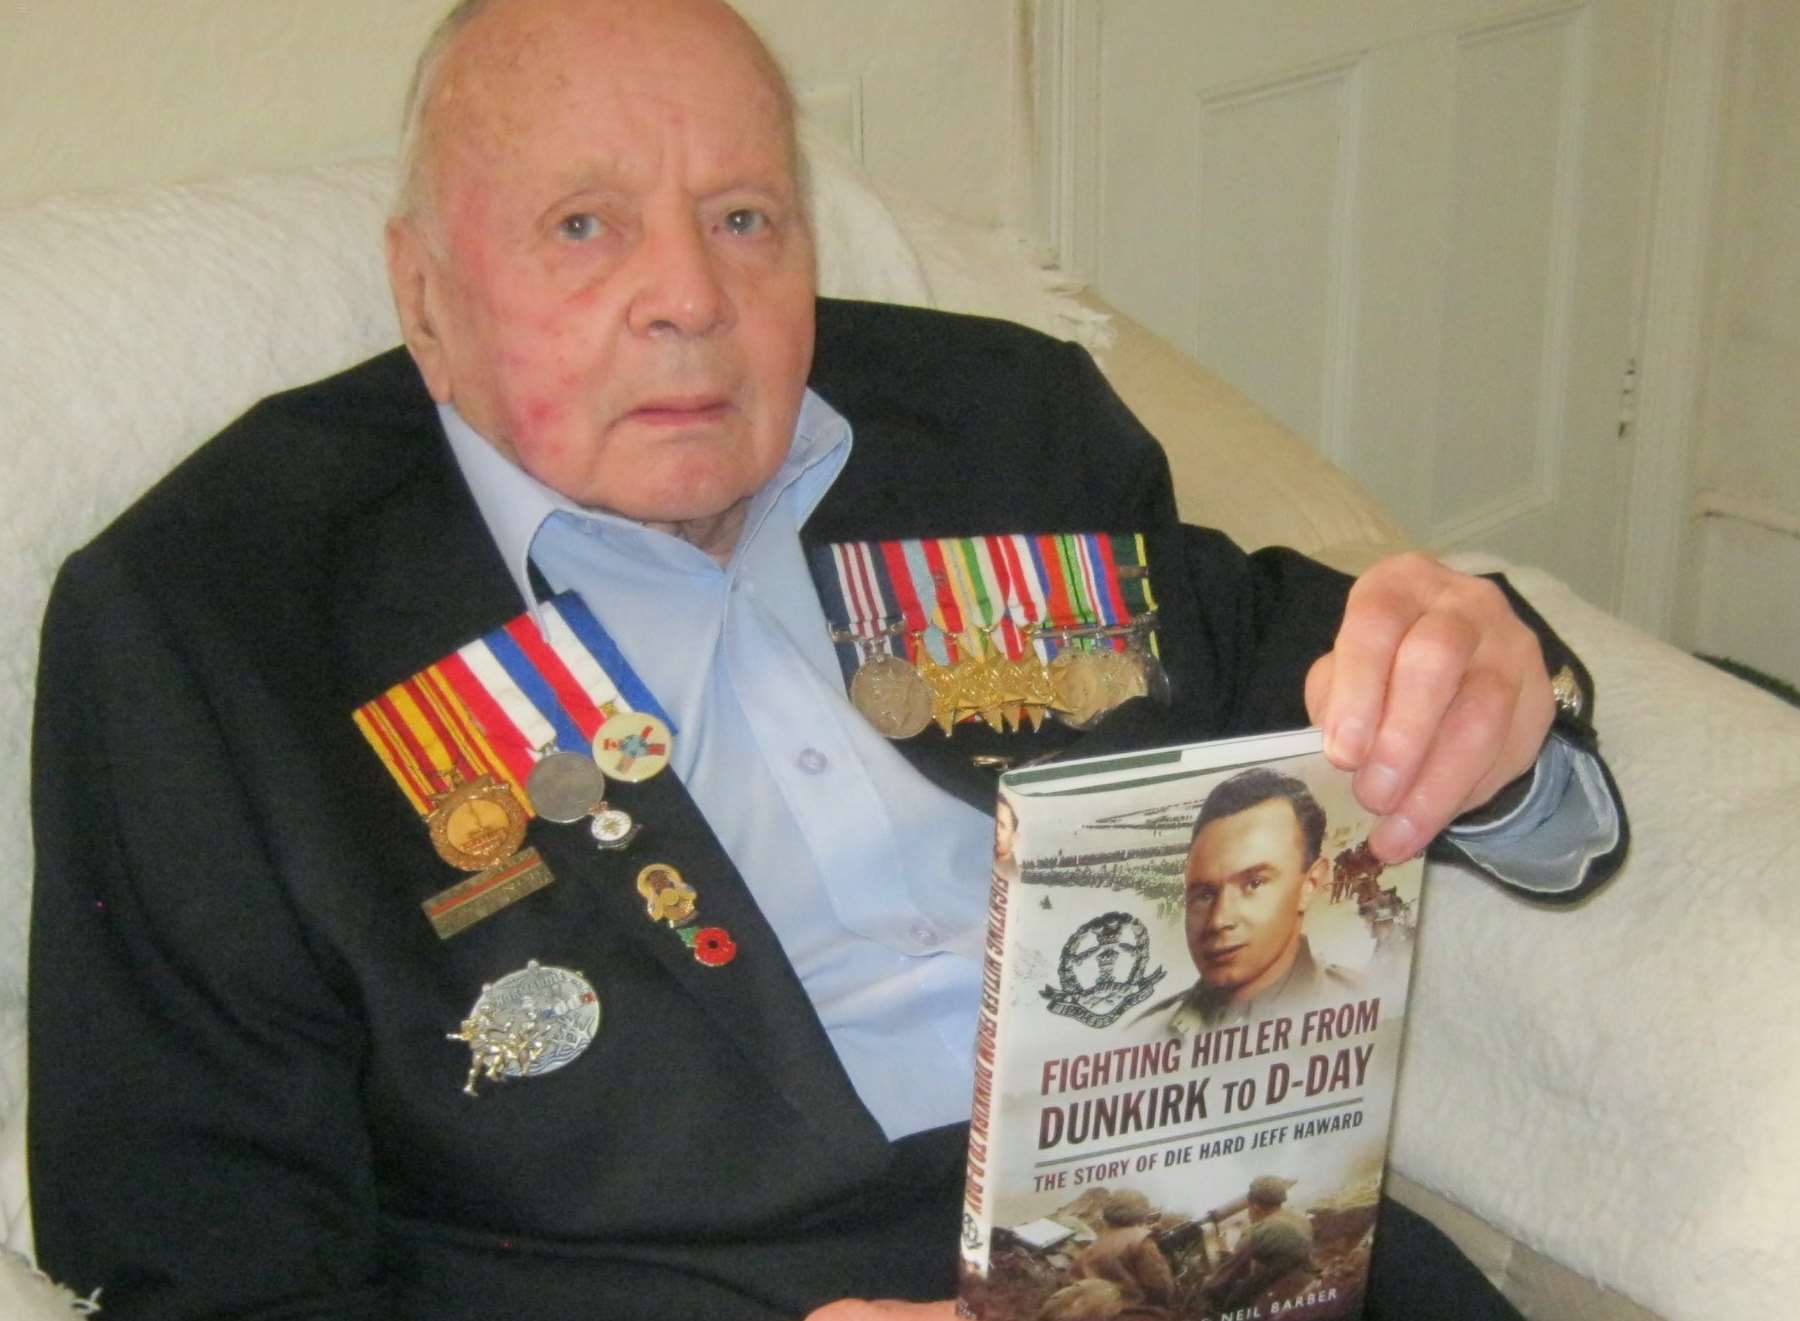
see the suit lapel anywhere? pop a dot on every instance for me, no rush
(427, 579)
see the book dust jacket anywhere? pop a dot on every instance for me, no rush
(1191, 1017)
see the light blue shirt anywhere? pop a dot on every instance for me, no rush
(873, 878)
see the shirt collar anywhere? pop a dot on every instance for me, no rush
(514, 504)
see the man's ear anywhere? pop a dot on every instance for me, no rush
(413, 272)
(1316, 875)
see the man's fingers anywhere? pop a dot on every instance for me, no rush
(857, 1309)
(1434, 694)
(1460, 766)
(1430, 667)
(1318, 689)
(1382, 606)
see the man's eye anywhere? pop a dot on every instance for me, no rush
(746, 220)
(579, 228)
(1253, 883)
(1202, 894)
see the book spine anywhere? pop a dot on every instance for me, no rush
(978, 1214)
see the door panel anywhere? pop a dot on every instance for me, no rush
(1412, 229)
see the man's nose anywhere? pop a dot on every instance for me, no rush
(1221, 913)
(679, 289)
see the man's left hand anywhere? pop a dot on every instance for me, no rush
(1434, 693)
(855, 1309)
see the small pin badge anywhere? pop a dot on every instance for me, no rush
(486, 893)
(669, 899)
(567, 787)
(633, 746)
(527, 1024)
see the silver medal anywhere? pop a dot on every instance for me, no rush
(565, 787)
(528, 1023)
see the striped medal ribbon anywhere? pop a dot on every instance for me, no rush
(508, 727)
(1002, 628)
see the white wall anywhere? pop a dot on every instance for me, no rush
(1744, 600)
(103, 93)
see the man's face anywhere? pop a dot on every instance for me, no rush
(1247, 887)
(614, 283)
(1006, 827)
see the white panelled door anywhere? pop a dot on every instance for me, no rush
(1413, 229)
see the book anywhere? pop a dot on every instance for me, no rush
(1192, 1004)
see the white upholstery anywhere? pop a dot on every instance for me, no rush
(136, 324)
(1609, 1085)
(1616, 1086)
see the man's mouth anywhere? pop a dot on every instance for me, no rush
(1221, 954)
(680, 410)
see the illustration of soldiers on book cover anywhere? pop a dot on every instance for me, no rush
(1191, 1017)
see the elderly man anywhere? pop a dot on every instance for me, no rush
(324, 1026)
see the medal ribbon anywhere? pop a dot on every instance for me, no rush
(1128, 563)
(1100, 582)
(945, 589)
(493, 705)
(849, 576)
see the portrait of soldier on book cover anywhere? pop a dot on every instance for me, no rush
(1197, 1008)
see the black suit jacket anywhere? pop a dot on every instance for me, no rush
(243, 1101)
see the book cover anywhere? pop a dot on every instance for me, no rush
(1192, 1005)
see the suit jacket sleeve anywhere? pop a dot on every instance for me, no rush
(1242, 629)
(239, 1148)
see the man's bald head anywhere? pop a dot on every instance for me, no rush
(419, 128)
(604, 260)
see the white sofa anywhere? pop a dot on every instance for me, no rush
(1603, 1093)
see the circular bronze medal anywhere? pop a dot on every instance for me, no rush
(1125, 679)
(565, 787)
(1082, 692)
(477, 825)
(892, 696)
(1154, 679)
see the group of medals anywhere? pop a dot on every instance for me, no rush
(532, 719)
(538, 716)
(1006, 629)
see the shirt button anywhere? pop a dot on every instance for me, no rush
(924, 937)
(812, 761)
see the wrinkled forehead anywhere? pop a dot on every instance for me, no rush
(564, 72)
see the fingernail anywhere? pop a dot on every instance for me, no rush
(1345, 745)
(1395, 839)
(1378, 786)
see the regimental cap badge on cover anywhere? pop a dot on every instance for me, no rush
(1104, 970)
(528, 1023)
